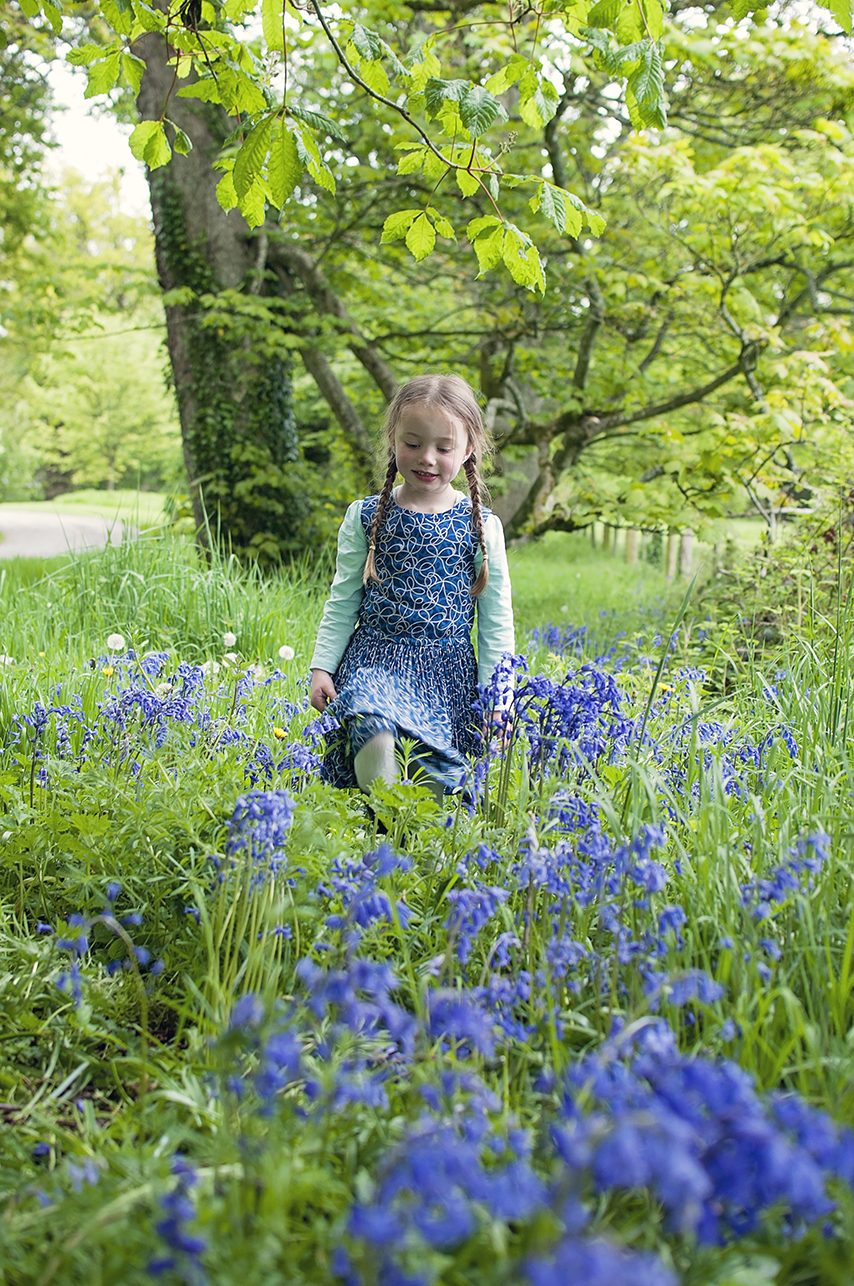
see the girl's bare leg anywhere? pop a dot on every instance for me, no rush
(376, 761)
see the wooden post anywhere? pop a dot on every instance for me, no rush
(632, 541)
(672, 557)
(686, 553)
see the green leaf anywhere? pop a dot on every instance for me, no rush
(367, 43)
(507, 76)
(225, 192)
(84, 54)
(284, 167)
(647, 79)
(550, 201)
(489, 249)
(53, 15)
(207, 90)
(251, 157)
(841, 10)
(538, 99)
(397, 225)
(437, 92)
(148, 143)
(467, 183)
(522, 260)
(396, 65)
(119, 16)
(630, 25)
(182, 144)
(103, 76)
(375, 77)
(654, 18)
(149, 19)
(134, 70)
(247, 96)
(253, 205)
(443, 227)
(317, 120)
(421, 237)
(30, 8)
(479, 109)
(595, 222)
(412, 161)
(271, 24)
(605, 13)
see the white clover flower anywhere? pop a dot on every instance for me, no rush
(231, 658)
(116, 643)
(229, 639)
(211, 667)
(286, 652)
(6, 660)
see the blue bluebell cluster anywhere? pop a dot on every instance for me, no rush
(184, 1246)
(259, 828)
(641, 1115)
(357, 883)
(805, 860)
(143, 702)
(78, 946)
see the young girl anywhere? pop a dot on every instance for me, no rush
(394, 656)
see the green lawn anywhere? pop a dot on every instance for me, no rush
(139, 508)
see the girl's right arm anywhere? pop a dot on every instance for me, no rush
(342, 607)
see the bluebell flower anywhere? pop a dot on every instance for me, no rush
(185, 1247)
(455, 1015)
(260, 825)
(598, 1263)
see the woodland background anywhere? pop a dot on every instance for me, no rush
(690, 362)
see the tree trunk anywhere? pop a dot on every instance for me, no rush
(632, 542)
(233, 389)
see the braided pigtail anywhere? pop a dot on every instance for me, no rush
(370, 572)
(470, 467)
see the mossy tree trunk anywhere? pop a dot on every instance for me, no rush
(231, 374)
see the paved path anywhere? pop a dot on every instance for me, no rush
(29, 534)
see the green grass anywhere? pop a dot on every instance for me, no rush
(144, 1068)
(561, 578)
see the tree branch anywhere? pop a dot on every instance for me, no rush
(595, 318)
(332, 390)
(656, 347)
(290, 255)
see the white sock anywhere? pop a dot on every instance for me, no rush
(376, 761)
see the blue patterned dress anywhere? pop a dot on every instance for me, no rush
(410, 666)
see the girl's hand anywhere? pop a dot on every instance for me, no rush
(322, 690)
(497, 727)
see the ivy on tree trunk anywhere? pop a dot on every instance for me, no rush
(232, 387)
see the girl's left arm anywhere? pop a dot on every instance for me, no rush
(345, 597)
(495, 632)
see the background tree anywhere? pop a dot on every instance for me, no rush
(406, 126)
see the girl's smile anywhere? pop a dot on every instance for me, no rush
(430, 446)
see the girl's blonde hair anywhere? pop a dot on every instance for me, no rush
(452, 395)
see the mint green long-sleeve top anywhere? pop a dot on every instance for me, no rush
(495, 634)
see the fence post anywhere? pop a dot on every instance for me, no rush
(671, 559)
(686, 553)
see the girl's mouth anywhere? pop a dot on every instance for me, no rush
(425, 477)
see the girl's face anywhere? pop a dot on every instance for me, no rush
(430, 446)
